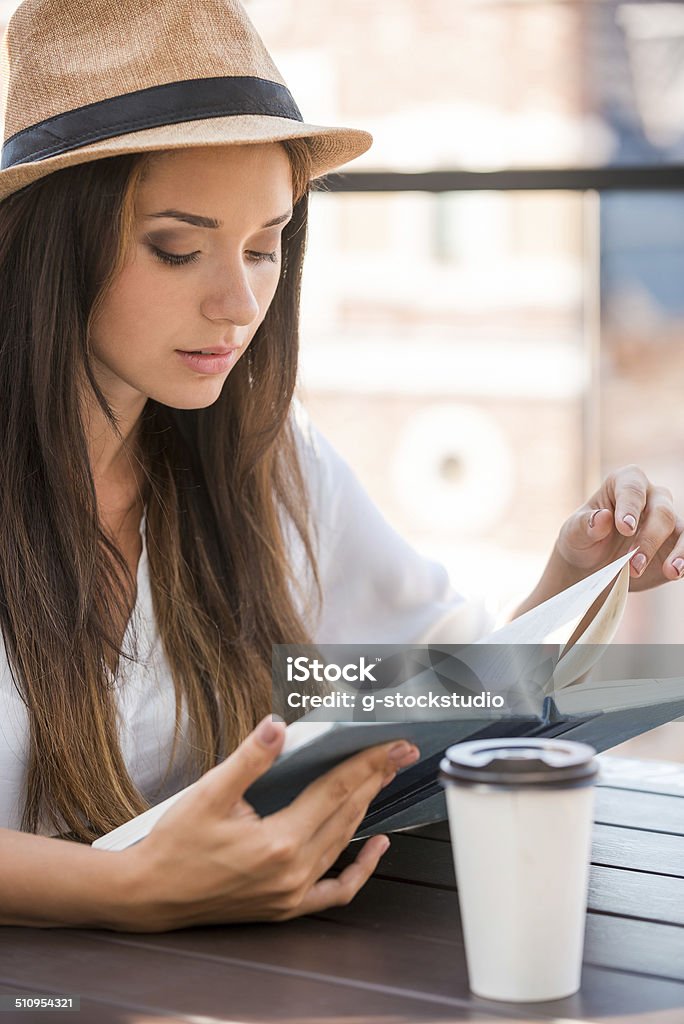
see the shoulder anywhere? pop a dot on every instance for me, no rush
(324, 470)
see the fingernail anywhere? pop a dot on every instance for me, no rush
(406, 757)
(267, 732)
(679, 565)
(631, 522)
(592, 517)
(398, 751)
(639, 561)
(384, 846)
(409, 758)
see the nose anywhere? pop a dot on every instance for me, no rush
(231, 297)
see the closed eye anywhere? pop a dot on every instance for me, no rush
(171, 259)
(261, 257)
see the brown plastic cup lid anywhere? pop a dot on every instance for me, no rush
(519, 762)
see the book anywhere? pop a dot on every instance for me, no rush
(553, 699)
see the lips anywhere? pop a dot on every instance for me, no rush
(216, 351)
(210, 364)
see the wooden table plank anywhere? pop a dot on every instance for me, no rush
(627, 808)
(419, 859)
(611, 997)
(637, 894)
(177, 973)
(431, 914)
(419, 961)
(148, 975)
(642, 851)
(427, 859)
(268, 972)
(630, 893)
(637, 946)
(631, 809)
(413, 859)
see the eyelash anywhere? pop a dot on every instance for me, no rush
(177, 261)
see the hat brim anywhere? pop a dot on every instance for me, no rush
(331, 148)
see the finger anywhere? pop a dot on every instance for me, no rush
(631, 492)
(226, 783)
(335, 834)
(324, 797)
(598, 523)
(673, 566)
(589, 526)
(337, 892)
(657, 525)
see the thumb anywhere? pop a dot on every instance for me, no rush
(599, 523)
(227, 782)
(585, 528)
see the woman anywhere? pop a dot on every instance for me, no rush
(166, 515)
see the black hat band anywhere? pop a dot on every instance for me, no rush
(172, 103)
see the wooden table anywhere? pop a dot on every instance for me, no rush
(395, 953)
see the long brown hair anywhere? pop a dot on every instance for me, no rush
(220, 482)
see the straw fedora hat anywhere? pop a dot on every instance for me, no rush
(87, 79)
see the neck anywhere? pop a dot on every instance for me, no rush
(115, 464)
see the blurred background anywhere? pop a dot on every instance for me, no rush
(493, 309)
(483, 356)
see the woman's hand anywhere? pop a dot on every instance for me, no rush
(627, 511)
(211, 859)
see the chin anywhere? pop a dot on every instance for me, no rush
(194, 401)
(188, 397)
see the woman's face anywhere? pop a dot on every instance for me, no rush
(188, 286)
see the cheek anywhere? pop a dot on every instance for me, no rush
(137, 305)
(264, 289)
(270, 287)
(144, 292)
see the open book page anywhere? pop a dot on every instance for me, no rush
(584, 654)
(520, 648)
(619, 694)
(139, 827)
(555, 620)
(610, 713)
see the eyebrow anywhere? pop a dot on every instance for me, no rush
(210, 222)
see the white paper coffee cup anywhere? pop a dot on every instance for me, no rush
(520, 818)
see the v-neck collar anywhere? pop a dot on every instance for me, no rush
(142, 561)
(142, 610)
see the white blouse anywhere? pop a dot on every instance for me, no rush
(376, 589)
